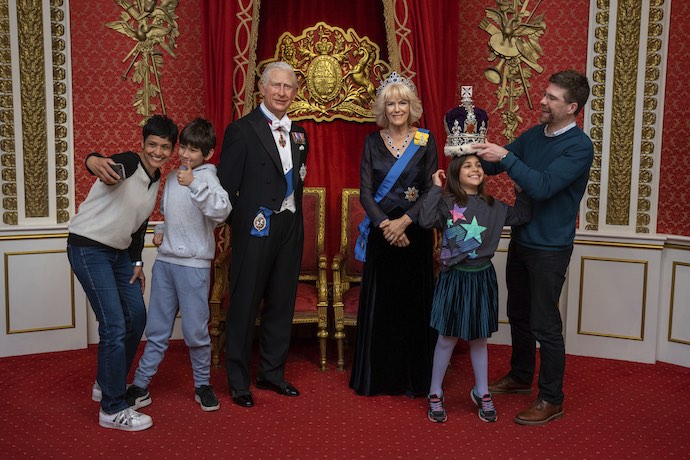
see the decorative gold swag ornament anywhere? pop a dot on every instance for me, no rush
(153, 25)
(337, 72)
(514, 41)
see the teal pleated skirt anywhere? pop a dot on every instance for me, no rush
(466, 302)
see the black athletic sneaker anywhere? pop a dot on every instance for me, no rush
(137, 397)
(437, 413)
(206, 398)
(486, 411)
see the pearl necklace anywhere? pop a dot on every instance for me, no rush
(390, 142)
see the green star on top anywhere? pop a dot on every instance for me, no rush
(474, 230)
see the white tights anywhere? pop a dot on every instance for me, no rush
(478, 355)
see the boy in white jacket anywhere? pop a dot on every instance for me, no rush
(193, 204)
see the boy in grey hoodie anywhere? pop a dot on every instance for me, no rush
(193, 203)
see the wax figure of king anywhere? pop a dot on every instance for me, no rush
(262, 167)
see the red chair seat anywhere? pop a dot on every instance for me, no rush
(307, 299)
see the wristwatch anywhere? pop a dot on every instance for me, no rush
(138, 263)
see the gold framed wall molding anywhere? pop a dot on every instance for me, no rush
(628, 44)
(35, 113)
(580, 329)
(674, 270)
(8, 317)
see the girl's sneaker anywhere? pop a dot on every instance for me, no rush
(486, 411)
(437, 412)
(125, 420)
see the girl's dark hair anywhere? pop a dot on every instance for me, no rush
(453, 187)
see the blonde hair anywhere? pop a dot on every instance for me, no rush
(391, 91)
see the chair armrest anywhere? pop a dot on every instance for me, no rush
(322, 280)
(336, 266)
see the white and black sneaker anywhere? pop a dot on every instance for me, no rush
(125, 420)
(206, 398)
(96, 393)
(137, 397)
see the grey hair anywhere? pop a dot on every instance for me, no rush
(277, 65)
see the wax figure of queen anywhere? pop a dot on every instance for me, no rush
(262, 167)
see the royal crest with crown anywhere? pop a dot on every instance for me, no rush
(336, 72)
(465, 125)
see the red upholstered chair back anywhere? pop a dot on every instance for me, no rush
(352, 215)
(314, 214)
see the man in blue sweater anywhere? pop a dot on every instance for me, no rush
(551, 163)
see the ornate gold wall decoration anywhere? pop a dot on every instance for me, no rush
(60, 97)
(626, 55)
(7, 152)
(246, 35)
(649, 119)
(597, 105)
(396, 15)
(338, 72)
(32, 79)
(514, 51)
(152, 24)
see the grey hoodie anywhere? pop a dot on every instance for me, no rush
(191, 215)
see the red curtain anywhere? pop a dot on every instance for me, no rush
(336, 147)
(435, 46)
(218, 25)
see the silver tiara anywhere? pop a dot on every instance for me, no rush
(395, 77)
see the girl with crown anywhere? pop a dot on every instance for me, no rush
(465, 304)
(394, 343)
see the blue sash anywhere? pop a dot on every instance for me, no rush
(385, 187)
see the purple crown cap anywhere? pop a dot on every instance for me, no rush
(465, 124)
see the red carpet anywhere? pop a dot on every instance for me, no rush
(613, 409)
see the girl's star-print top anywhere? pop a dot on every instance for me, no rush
(471, 232)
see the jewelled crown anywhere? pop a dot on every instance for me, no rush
(395, 77)
(465, 125)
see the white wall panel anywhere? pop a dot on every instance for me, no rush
(674, 315)
(42, 309)
(613, 298)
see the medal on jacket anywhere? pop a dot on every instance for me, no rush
(262, 222)
(281, 140)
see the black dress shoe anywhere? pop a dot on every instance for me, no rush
(284, 388)
(244, 400)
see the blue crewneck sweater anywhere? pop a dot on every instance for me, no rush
(554, 172)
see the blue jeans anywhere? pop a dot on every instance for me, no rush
(535, 279)
(104, 274)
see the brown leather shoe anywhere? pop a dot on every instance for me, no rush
(539, 413)
(507, 384)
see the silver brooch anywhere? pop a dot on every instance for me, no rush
(411, 194)
(303, 171)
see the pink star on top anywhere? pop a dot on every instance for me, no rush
(458, 213)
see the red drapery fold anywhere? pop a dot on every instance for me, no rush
(336, 147)
(218, 25)
(434, 38)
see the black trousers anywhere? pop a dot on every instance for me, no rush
(269, 271)
(535, 280)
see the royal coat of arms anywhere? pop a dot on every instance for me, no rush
(337, 72)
